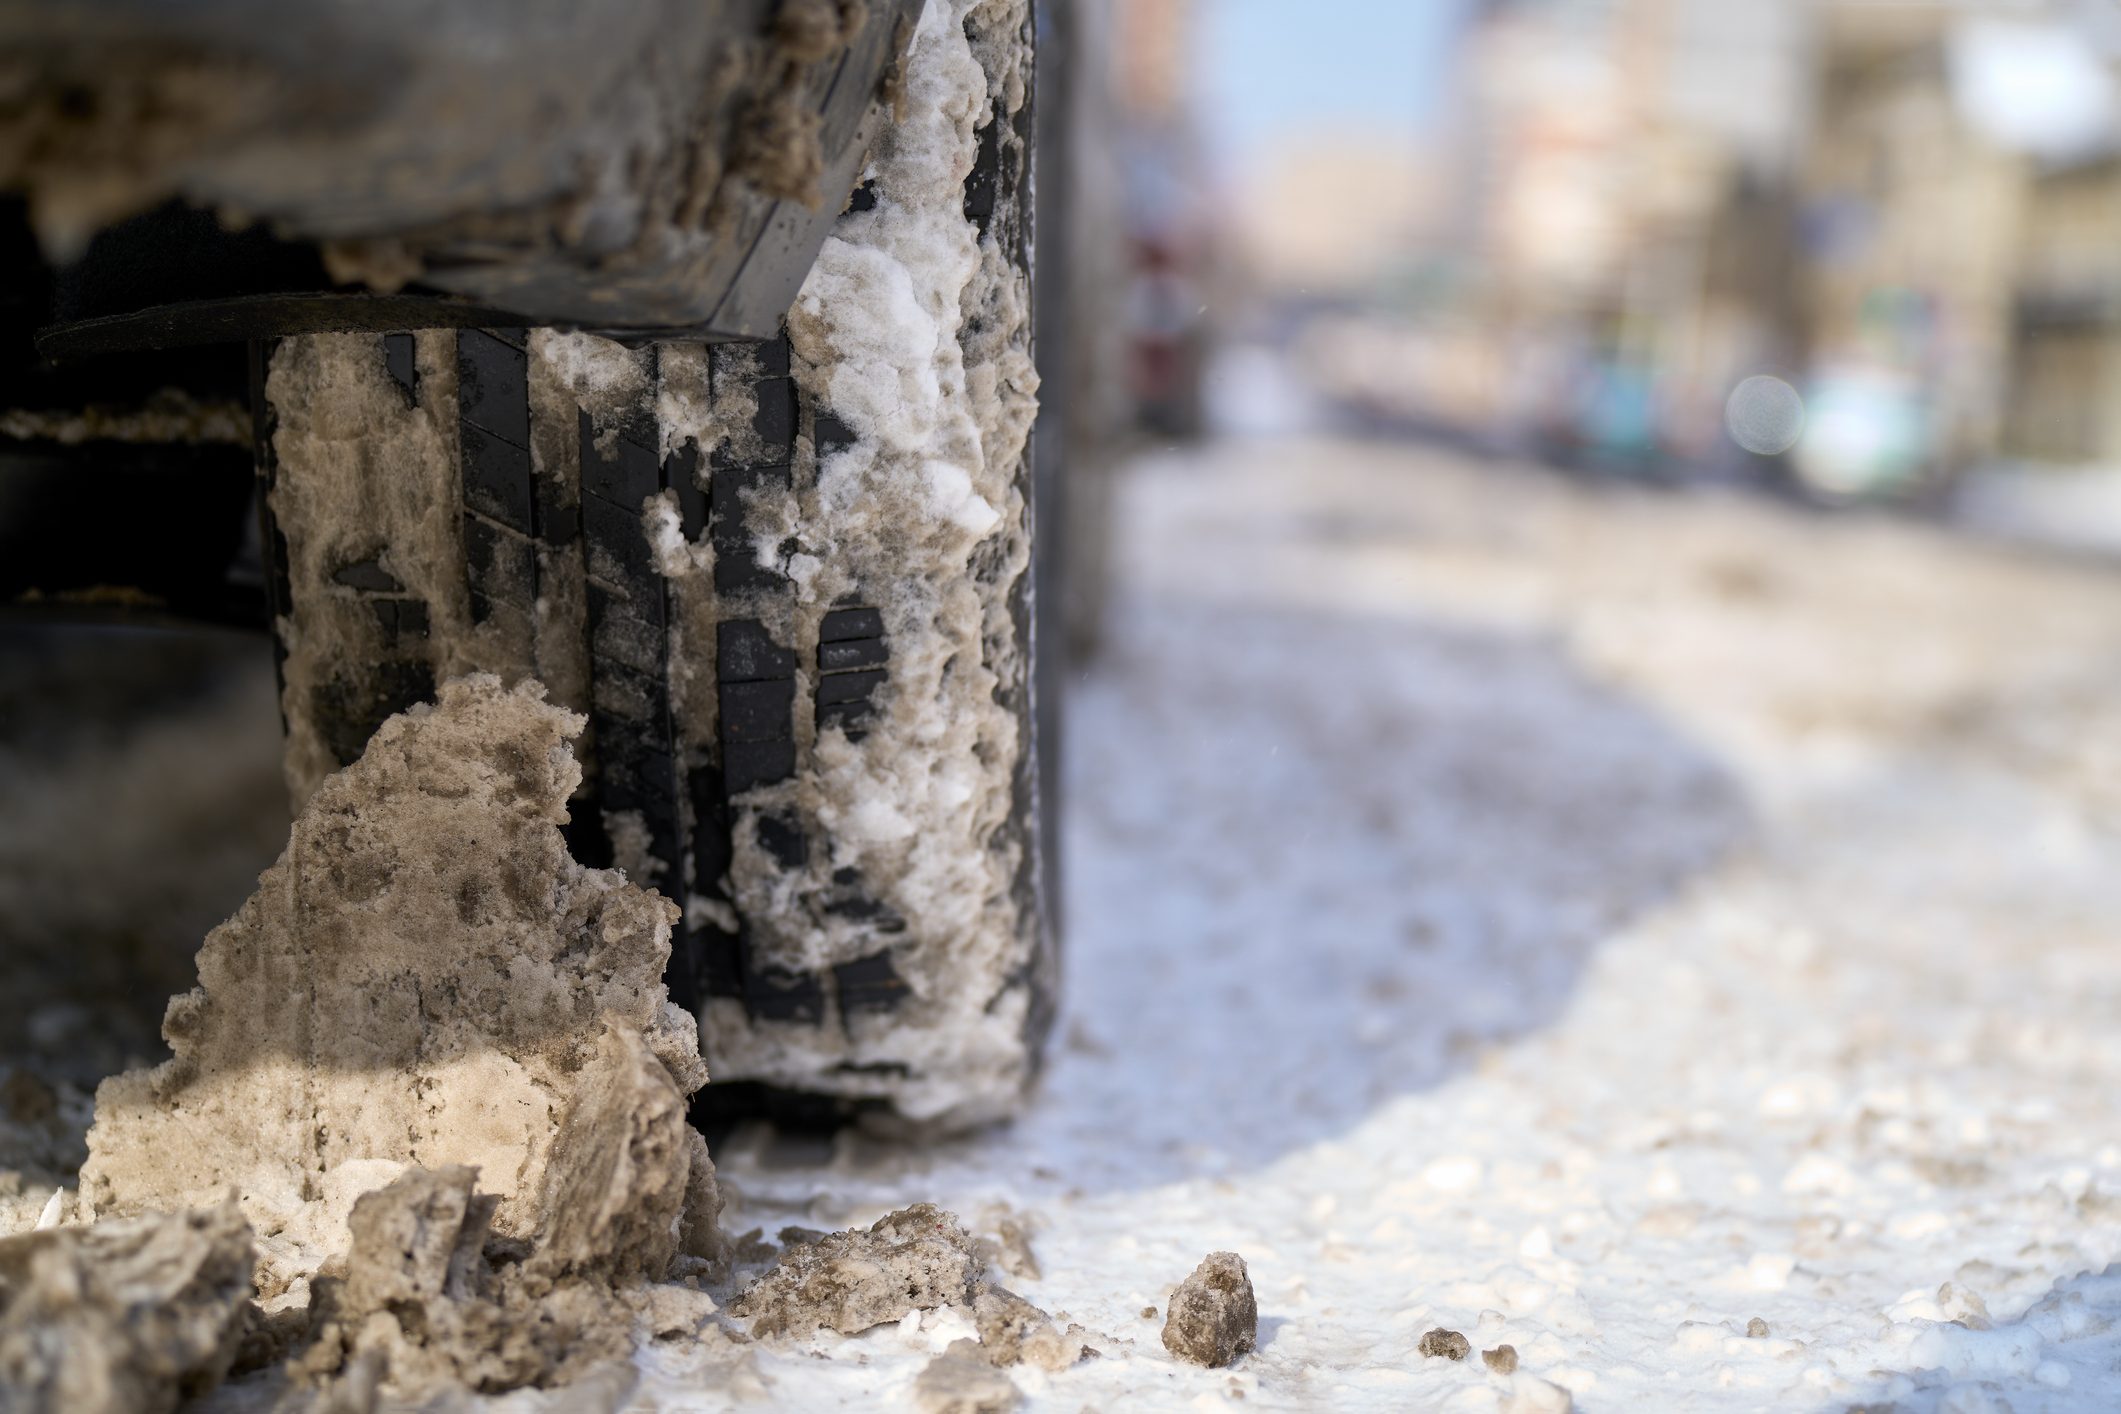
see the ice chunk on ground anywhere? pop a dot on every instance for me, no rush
(423, 978)
(124, 1318)
(425, 1306)
(960, 1381)
(426, 980)
(1013, 1331)
(1213, 1317)
(915, 1259)
(1009, 1248)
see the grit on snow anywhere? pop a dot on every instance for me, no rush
(1601, 923)
(1669, 935)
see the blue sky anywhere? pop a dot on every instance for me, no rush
(1271, 67)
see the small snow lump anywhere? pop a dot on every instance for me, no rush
(1213, 1317)
(960, 1381)
(915, 1259)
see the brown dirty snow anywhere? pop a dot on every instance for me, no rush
(424, 1300)
(915, 1259)
(126, 1317)
(1449, 1345)
(360, 475)
(364, 475)
(426, 980)
(1502, 1359)
(1012, 1331)
(1009, 1246)
(1213, 1317)
(960, 1381)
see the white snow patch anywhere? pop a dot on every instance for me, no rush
(1682, 856)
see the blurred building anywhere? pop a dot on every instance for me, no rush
(2065, 376)
(1332, 215)
(1627, 168)
(1152, 58)
(1167, 220)
(1910, 212)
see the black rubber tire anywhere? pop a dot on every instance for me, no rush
(516, 534)
(549, 573)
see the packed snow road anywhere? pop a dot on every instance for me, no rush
(1669, 935)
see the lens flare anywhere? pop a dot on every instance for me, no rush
(1764, 415)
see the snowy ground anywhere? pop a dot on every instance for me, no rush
(2069, 507)
(1586, 921)
(1583, 921)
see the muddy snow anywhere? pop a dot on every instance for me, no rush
(1584, 921)
(1664, 941)
(427, 1103)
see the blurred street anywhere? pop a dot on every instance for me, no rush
(1575, 917)
(1587, 918)
(1567, 574)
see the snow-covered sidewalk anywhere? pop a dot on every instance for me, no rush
(1603, 924)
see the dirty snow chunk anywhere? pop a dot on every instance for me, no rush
(914, 1259)
(1213, 1317)
(415, 1282)
(607, 378)
(1502, 1359)
(1448, 1344)
(662, 525)
(1010, 1246)
(959, 1381)
(125, 1318)
(361, 476)
(423, 1306)
(1013, 1331)
(426, 978)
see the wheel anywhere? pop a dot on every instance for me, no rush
(786, 582)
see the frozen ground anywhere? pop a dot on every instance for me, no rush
(1582, 920)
